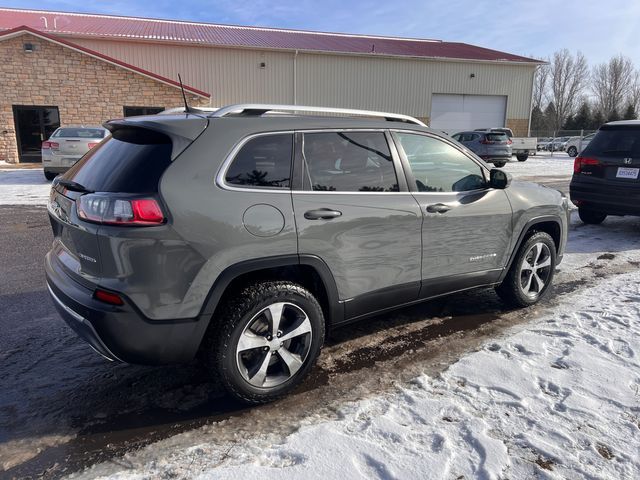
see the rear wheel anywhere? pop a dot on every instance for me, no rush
(500, 164)
(531, 272)
(49, 175)
(267, 338)
(590, 216)
(572, 151)
(522, 157)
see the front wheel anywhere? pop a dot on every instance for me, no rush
(591, 217)
(266, 339)
(531, 272)
(522, 157)
(572, 151)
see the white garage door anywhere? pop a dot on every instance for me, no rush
(454, 113)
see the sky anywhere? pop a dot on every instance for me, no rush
(537, 28)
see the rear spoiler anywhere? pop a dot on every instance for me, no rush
(182, 130)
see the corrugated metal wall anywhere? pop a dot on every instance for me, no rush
(390, 84)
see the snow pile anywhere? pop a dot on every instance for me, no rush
(560, 399)
(23, 187)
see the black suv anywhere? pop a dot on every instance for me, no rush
(245, 235)
(605, 175)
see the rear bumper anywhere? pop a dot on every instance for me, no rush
(121, 333)
(606, 197)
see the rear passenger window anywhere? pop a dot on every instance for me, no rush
(348, 162)
(264, 161)
(438, 166)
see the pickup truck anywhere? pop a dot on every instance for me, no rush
(521, 147)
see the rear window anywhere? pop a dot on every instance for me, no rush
(497, 137)
(131, 161)
(618, 142)
(264, 161)
(94, 133)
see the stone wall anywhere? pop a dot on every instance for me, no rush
(519, 126)
(86, 90)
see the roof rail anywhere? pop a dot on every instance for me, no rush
(257, 109)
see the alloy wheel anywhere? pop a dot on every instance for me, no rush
(535, 269)
(274, 345)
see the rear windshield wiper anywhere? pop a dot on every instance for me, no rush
(73, 186)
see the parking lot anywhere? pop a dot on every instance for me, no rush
(63, 408)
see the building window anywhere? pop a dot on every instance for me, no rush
(133, 111)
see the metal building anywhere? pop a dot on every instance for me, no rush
(451, 86)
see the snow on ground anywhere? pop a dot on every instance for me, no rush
(543, 164)
(23, 187)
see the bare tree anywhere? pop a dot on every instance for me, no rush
(568, 77)
(540, 84)
(612, 83)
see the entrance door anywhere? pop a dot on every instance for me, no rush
(34, 124)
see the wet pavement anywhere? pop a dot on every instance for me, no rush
(62, 407)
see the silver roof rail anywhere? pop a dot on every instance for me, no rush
(249, 109)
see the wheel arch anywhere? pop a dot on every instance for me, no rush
(309, 271)
(549, 224)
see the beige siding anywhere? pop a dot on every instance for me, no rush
(390, 84)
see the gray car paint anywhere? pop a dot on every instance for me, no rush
(168, 271)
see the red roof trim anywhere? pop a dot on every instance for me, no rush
(101, 56)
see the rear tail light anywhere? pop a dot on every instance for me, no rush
(50, 145)
(108, 297)
(119, 210)
(580, 164)
(91, 145)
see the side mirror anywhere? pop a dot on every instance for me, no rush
(499, 179)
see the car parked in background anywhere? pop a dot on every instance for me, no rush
(492, 147)
(521, 147)
(244, 237)
(606, 177)
(67, 145)
(576, 144)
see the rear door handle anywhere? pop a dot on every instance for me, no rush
(322, 214)
(438, 208)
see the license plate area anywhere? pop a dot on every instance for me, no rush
(627, 172)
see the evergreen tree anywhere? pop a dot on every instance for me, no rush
(614, 116)
(597, 119)
(630, 113)
(582, 119)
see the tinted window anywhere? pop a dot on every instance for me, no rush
(438, 166)
(497, 137)
(263, 161)
(619, 142)
(132, 161)
(94, 133)
(349, 162)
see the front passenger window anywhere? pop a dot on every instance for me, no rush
(438, 166)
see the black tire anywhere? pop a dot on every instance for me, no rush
(522, 158)
(590, 216)
(236, 315)
(572, 151)
(49, 175)
(512, 290)
(499, 164)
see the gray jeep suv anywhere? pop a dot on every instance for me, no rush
(243, 236)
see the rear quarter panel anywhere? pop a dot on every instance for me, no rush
(531, 203)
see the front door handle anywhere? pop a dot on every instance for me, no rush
(322, 214)
(438, 208)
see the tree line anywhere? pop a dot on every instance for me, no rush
(568, 95)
